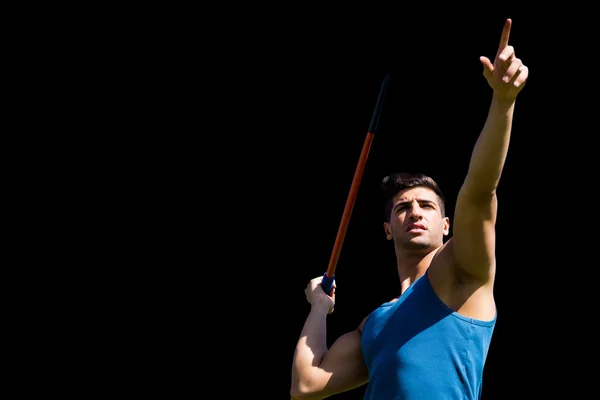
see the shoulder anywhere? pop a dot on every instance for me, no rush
(445, 269)
(365, 319)
(460, 291)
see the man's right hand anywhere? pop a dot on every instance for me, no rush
(317, 297)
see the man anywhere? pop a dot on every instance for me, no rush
(431, 342)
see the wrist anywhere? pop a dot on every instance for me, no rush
(320, 308)
(503, 99)
(502, 104)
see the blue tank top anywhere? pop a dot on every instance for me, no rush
(417, 348)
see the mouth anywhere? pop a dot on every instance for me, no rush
(415, 228)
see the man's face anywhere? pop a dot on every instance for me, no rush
(416, 220)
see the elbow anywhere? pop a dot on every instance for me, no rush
(303, 391)
(297, 393)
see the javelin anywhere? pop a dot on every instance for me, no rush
(329, 275)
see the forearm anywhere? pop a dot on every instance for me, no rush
(491, 148)
(310, 348)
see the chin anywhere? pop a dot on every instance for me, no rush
(417, 245)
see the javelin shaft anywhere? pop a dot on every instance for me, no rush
(328, 277)
(337, 247)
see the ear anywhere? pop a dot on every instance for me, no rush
(446, 225)
(388, 230)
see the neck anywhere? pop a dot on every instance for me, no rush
(412, 265)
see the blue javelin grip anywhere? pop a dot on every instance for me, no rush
(327, 283)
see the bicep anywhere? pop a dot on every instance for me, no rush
(474, 234)
(343, 367)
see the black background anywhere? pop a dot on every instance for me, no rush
(306, 91)
(244, 132)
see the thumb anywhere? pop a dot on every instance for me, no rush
(488, 68)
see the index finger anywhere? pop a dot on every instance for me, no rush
(505, 34)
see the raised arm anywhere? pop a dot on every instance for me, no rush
(476, 206)
(319, 372)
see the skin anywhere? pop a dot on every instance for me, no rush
(461, 270)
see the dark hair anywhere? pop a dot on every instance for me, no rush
(394, 183)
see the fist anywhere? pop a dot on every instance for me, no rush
(317, 297)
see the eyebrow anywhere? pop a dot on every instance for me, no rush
(426, 201)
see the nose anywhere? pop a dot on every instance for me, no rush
(415, 213)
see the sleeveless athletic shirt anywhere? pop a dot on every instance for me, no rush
(417, 348)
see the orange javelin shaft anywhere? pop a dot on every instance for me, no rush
(328, 277)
